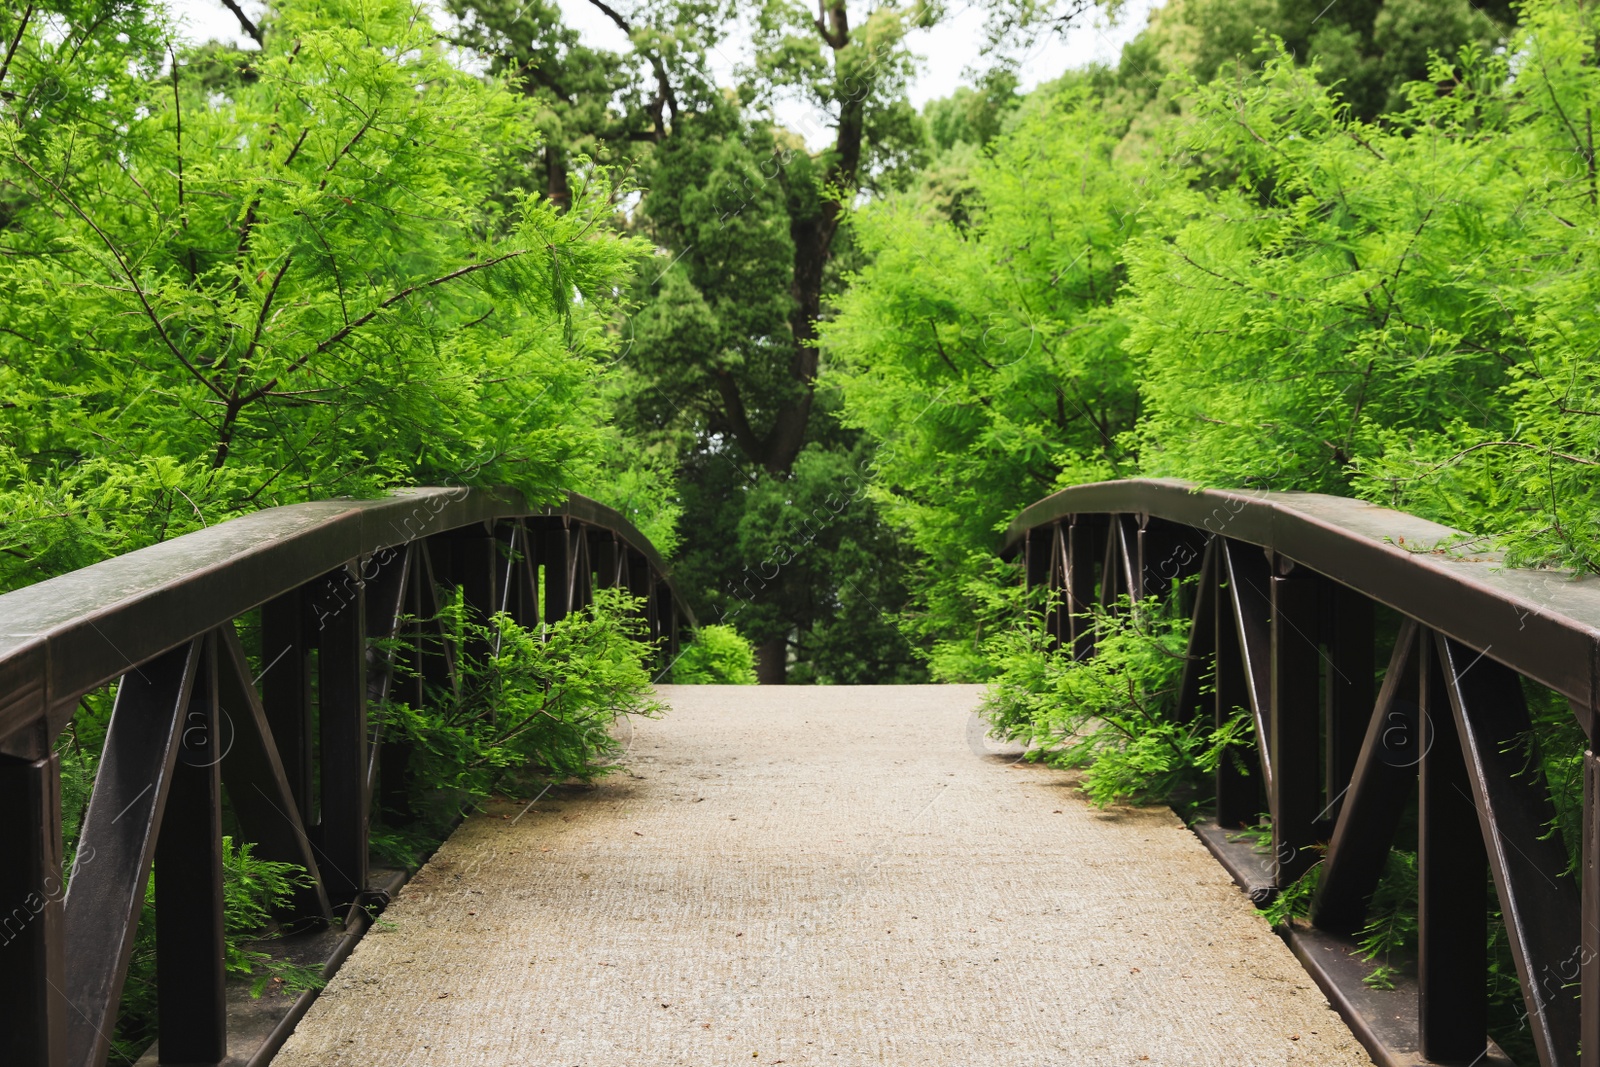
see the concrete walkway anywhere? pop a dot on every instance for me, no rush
(821, 876)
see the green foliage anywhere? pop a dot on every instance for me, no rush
(1370, 51)
(820, 572)
(252, 889)
(1112, 714)
(722, 369)
(258, 279)
(538, 704)
(973, 116)
(984, 358)
(1390, 931)
(1246, 278)
(715, 655)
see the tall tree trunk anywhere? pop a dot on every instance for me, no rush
(557, 191)
(772, 661)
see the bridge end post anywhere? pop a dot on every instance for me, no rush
(33, 1008)
(1452, 876)
(342, 720)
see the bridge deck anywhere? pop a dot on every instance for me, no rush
(821, 876)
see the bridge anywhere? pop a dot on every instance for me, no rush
(805, 875)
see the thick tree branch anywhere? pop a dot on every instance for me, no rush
(16, 39)
(664, 94)
(838, 34)
(356, 324)
(538, 74)
(738, 419)
(127, 272)
(244, 21)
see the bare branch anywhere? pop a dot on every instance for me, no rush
(244, 21)
(261, 319)
(11, 49)
(351, 327)
(133, 280)
(664, 94)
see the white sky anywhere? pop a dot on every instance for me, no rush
(948, 49)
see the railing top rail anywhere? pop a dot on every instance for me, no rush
(70, 634)
(1542, 623)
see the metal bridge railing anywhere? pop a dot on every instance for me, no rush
(330, 578)
(1283, 625)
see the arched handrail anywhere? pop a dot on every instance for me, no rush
(1390, 556)
(66, 636)
(1282, 607)
(301, 764)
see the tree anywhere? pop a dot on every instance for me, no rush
(985, 356)
(302, 282)
(1369, 49)
(747, 219)
(1251, 287)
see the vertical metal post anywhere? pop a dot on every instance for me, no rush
(555, 552)
(583, 568)
(522, 578)
(1589, 938)
(1036, 557)
(191, 1007)
(605, 551)
(117, 842)
(1060, 621)
(1453, 874)
(1237, 792)
(1111, 584)
(1296, 720)
(1039, 568)
(467, 559)
(342, 717)
(287, 639)
(1352, 668)
(1082, 551)
(1137, 586)
(33, 1009)
(1168, 552)
(674, 639)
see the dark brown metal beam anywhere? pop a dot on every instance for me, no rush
(33, 1005)
(1452, 885)
(1296, 731)
(258, 788)
(1084, 547)
(1238, 776)
(118, 842)
(1538, 895)
(1202, 648)
(1350, 681)
(342, 721)
(1247, 577)
(191, 1001)
(1385, 773)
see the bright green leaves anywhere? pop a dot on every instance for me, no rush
(541, 705)
(1112, 714)
(299, 279)
(715, 655)
(986, 358)
(1325, 293)
(1250, 288)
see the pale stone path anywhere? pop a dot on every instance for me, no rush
(821, 876)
